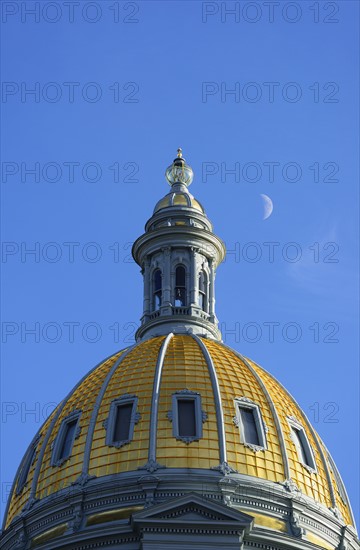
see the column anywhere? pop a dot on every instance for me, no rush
(211, 290)
(193, 277)
(166, 281)
(147, 297)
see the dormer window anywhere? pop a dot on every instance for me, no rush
(120, 424)
(64, 441)
(28, 461)
(250, 423)
(187, 416)
(180, 286)
(301, 442)
(202, 291)
(157, 286)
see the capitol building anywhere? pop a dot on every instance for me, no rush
(178, 441)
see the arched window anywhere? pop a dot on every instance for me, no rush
(180, 286)
(157, 283)
(202, 291)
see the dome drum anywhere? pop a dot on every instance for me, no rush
(84, 514)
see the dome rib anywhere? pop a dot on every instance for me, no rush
(320, 451)
(49, 433)
(14, 484)
(151, 463)
(316, 439)
(95, 412)
(273, 410)
(334, 502)
(223, 466)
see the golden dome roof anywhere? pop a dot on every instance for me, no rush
(153, 371)
(178, 198)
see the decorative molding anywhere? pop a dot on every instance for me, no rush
(97, 405)
(21, 541)
(109, 423)
(271, 403)
(58, 441)
(335, 510)
(28, 461)
(304, 442)
(76, 520)
(261, 427)
(255, 448)
(223, 466)
(83, 479)
(290, 486)
(200, 415)
(294, 523)
(151, 466)
(224, 469)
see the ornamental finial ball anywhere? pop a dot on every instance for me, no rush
(179, 172)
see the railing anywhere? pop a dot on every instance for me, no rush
(180, 310)
(155, 314)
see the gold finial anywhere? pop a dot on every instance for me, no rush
(179, 153)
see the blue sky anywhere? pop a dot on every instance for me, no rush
(118, 87)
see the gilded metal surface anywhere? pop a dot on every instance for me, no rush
(54, 478)
(134, 376)
(184, 367)
(314, 485)
(48, 535)
(318, 540)
(18, 501)
(237, 380)
(113, 515)
(178, 199)
(266, 521)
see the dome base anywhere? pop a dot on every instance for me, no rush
(178, 509)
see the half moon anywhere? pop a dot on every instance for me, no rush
(268, 206)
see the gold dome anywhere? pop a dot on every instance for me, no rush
(193, 364)
(178, 198)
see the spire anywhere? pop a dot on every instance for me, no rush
(178, 255)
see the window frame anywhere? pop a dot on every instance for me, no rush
(261, 427)
(183, 287)
(28, 461)
(203, 294)
(310, 465)
(156, 293)
(56, 459)
(109, 423)
(200, 415)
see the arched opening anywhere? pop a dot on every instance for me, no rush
(180, 286)
(202, 300)
(157, 289)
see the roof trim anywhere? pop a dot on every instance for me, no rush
(318, 446)
(40, 457)
(273, 410)
(89, 436)
(151, 464)
(223, 466)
